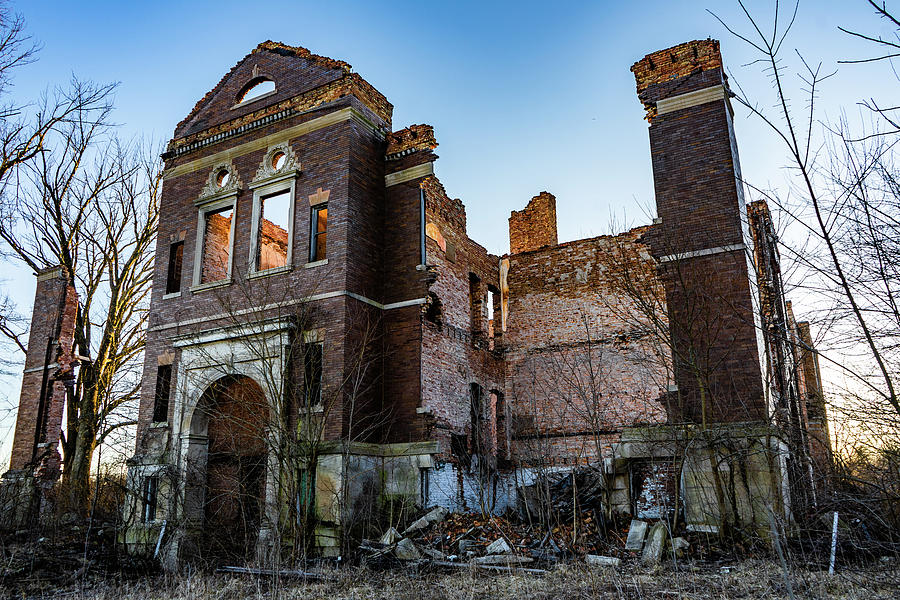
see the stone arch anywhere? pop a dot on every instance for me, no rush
(225, 470)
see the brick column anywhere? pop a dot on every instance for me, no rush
(49, 363)
(699, 237)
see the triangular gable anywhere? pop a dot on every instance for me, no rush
(293, 69)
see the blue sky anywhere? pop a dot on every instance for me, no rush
(524, 96)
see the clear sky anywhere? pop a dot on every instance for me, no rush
(524, 96)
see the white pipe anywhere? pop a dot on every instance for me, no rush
(833, 543)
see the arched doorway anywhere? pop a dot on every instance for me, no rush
(232, 414)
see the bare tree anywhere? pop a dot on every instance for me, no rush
(90, 205)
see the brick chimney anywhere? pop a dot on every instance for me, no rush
(535, 226)
(699, 237)
(49, 364)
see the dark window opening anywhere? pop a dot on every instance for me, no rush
(149, 491)
(173, 278)
(459, 448)
(319, 233)
(425, 485)
(163, 390)
(312, 373)
(476, 416)
(475, 303)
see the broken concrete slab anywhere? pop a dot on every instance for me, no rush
(503, 559)
(406, 550)
(390, 536)
(498, 547)
(438, 513)
(680, 546)
(656, 543)
(433, 516)
(601, 561)
(417, 525)
(636, 534)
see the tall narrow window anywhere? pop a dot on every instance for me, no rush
(475, 304)
(319, 233)
(216, 259)
(163, 389)
(149, 491)
(173, 278)
(312, 379)
(274, 223)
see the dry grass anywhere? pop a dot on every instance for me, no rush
(749, 579)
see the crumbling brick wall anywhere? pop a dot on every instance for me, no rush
(49, 362)
(534, 226)
(583, 361)
(456, 349)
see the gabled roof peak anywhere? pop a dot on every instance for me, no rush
(302, 52)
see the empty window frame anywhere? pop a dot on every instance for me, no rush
(173, 274)
(318, 236)
(273, 230)
(312, 373)
(149, 493)
(256, 89)
(215, 243)
(163, 390)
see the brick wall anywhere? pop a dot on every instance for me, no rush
(50, 360)
(700, 238)
(535, 226)
(582, 359)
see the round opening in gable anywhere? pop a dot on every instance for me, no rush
(222, 178)
(278, 160)
(255, 89)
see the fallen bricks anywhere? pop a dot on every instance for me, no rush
(438, 538)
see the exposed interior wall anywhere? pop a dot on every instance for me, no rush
(583, 361)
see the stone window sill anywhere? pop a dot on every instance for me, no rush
(202, 287)
(172, 295)
(317, 263)
(159, 425)
(272, 271)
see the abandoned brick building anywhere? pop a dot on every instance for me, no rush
(315, 282)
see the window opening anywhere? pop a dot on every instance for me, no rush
(216, 245)
(433, 309)
(274, 217)
(459, 448)
(312, 360)
(305, 495)
(257, 89)
(424, 485)
(319, 234)
(476, 417)
(475, 303)
(222, 178)
(149, 492)
(163, 390)
(176, 259)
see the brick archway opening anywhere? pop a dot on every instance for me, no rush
(232, 415)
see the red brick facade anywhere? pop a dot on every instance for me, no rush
(545, 354)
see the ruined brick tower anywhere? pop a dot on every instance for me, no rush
(699, 238)
(49, 365)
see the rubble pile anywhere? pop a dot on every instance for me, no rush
(458, 540)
